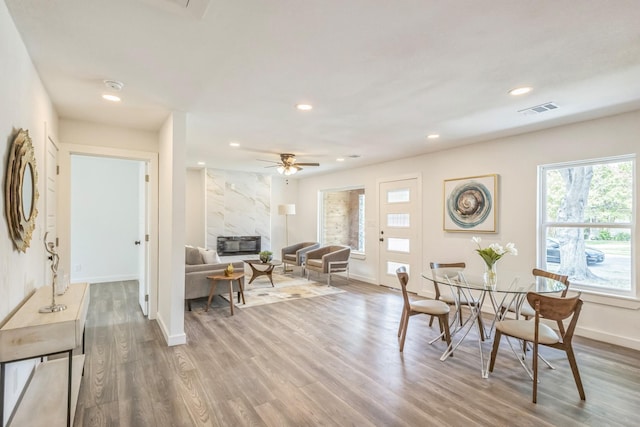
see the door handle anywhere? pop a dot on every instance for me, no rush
(382, 239)
(137, 242)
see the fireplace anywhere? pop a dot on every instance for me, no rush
(238, 245)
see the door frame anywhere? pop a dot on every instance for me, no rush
(415, 281)
(64, 207)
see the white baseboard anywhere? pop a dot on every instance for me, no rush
(171, 340)
(104, 279)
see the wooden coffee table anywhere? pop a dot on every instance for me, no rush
(259, 268)
(239, 276)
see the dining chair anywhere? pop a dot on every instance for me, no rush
(548, 307)
(451, 271)
(410, 308)
(526, 310)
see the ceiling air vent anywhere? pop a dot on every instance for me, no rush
(547, 106)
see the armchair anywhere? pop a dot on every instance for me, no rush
(327, 260)
(295, 254)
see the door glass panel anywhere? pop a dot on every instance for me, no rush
(398, 220)
(398, 245)
(401, 195)
(393, 266)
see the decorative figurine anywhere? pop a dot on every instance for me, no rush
(55, 259)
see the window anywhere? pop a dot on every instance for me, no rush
(342, 220)
(587, 223)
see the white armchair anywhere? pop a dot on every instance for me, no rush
(328, 260)
(295, 254)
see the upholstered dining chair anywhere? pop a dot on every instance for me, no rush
(451, 271)
(410, 308)
(526, 310)
(552, 308)
(294, 254)
(328, 260)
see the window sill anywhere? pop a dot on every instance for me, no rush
(358, 255)
(628, 303)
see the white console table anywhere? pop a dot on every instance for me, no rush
(29, 334)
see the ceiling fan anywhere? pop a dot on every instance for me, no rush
(288, 165)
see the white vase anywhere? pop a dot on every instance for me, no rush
(491, 275)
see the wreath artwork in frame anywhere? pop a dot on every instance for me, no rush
(470, 204)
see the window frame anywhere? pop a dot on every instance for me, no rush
(543, 225)
(355, 253)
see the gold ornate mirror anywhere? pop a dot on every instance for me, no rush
(21, 190)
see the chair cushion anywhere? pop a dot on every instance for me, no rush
(526, 309)
(430, 306)
(290, 257)
(525, 329)
(448, 298)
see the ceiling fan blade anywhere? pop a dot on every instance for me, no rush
(268, 161)
(307, 164)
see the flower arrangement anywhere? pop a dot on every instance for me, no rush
(491, 254)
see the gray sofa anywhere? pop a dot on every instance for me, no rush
(196, 284)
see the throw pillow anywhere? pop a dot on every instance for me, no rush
(209, 256)
(192, 256)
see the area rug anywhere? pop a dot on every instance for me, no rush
(286, 288)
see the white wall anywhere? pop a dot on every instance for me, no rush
(105, 212)
(515, 159)
(195, 207)
(25, 104)
(171, 228)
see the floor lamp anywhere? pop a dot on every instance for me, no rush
(286, 210)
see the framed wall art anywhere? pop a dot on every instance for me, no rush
(470, 204)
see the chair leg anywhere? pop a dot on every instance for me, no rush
(576, 373)
(480, 324)
(494, 351)
(404, 331)
(404, 311)
(431, 321)
(444, 327)
(535, 371)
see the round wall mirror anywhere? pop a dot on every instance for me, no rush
(21, 190)
(27, 192)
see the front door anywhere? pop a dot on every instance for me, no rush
(399, 234)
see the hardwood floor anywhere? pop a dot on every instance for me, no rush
(331, 361)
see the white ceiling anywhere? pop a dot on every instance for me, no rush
(380, 74)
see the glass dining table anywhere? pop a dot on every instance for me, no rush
(471, 291)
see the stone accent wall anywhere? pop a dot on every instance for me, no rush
(238, 204)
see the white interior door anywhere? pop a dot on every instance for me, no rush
(143, 226)
(51, 186)
(399, 241)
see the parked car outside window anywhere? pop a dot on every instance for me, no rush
(594, 256)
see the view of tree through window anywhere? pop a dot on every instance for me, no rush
(586, 222)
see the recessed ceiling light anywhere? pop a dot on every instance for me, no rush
(112, 98)
(340, 159)
(234, 144)
(433, 136)
(520, 90)
(201, 163)
(304, 107)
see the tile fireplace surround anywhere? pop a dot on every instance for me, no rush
(238, 245)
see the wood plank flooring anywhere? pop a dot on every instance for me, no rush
(330, 361)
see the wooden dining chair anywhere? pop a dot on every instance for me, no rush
(545, 307)
(452, 271)
(410, 308)
(526, 310)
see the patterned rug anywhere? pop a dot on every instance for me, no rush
(286, 288)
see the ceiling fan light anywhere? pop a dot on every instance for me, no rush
(280, 169)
